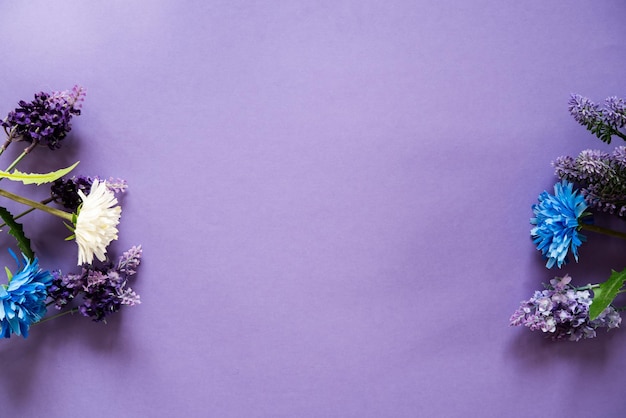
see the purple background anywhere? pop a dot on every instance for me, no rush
(333, 199)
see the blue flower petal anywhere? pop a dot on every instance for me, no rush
(557, 223)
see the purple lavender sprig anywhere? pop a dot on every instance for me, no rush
(601, 177)
(604, 122)
(101, 290)
(561, 311)
(45, 120)
(65, 191)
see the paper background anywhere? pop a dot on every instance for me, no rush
(333, 200)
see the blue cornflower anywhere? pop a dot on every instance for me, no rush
(22, 300)
(557, 223)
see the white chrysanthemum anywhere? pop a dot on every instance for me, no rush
(96, 224)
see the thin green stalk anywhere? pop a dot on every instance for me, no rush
(601, 230)
(20, 157)
(588, 287)
(17, 160)
(8, 140)
(37, 205)
(26, 212)
(60, 314)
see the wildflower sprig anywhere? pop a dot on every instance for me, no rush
(593, 181)
(89, 208)
(602, 121)
(601, 177)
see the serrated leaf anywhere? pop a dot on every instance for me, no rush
(16, 230)
(37, 178)
(605, 293)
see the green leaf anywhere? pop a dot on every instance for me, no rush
(605, 293)
(36, 178)
(9, 274)
(16, 230)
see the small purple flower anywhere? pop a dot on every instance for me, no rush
(65, 192)
(562, 312)
(603, 122)
(584, 110)
(601, 177)
(46, 120)
(615, 113)
(101, 290)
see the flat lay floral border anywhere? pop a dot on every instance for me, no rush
(592, 182)
(89, 207)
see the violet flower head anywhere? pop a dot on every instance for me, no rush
(584, 111)
(65, 191)
(615, 113)
(101, 290)
(601, 177)
(603, 122)
(46, 119)
(561, 311)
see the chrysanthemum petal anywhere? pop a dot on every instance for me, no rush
(96, 224)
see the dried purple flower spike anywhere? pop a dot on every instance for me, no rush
(604, 122)
(65, 192)
(600, 176)
(46, 120)
(101, 290)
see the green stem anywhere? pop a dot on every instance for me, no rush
(20, 157)
(17, 160)
(8, 140)
(588, 287)
(26, 212)
(620, 134)
(37, 205)
(601, 230)
(60, 314)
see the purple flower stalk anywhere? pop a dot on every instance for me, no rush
(101, 290)
(604, 122)
(601, 177)
(65, 192)
(561, 311)
(46, 120)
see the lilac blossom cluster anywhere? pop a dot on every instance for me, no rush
(46, 119)
(604, 122)
(562, 312)
(601, 177)
(100, 291)
(65, 191)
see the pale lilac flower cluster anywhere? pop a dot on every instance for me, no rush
(601, 177)
(562, 312)
(603, 122)
(101, 291)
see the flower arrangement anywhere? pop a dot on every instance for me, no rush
(90, 209)
(592, 182)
